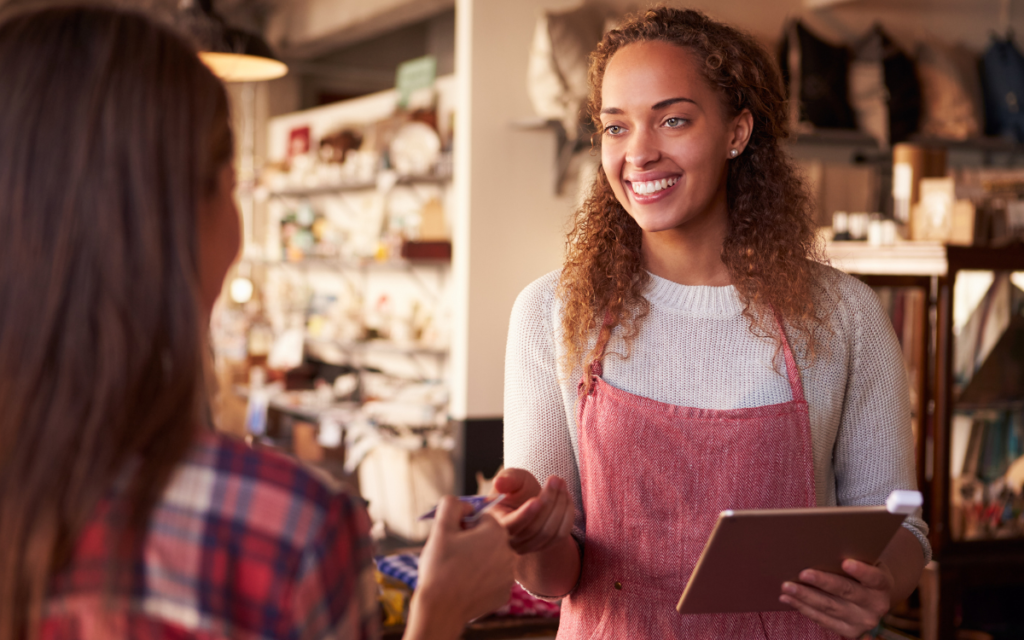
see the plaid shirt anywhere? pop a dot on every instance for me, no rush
(245, 543)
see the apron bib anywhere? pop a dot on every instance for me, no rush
(654, 478)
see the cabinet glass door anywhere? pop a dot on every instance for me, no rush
(987, 423)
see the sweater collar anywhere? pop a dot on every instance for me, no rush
(694, 300)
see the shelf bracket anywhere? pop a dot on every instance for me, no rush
(565, 148)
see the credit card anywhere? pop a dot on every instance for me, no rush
(480, 504)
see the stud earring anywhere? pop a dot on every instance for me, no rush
(733, 153)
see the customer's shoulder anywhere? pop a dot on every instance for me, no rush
(220, 464)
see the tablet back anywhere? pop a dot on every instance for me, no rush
(751, 553)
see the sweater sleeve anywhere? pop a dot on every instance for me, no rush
(539, 417)
(874, 451)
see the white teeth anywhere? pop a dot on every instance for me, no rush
(653, 186)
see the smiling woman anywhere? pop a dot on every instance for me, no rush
(694, 355)
(722, 83)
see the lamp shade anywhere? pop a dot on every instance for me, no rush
(232, 54)
(240, 67)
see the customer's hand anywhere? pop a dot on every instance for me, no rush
(463, 573)
(536, 517)
(849, 605)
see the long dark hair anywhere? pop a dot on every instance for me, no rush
(771, 249)
(111, 133)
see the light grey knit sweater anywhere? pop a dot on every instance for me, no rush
(695, 349)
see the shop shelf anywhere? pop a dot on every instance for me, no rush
(378, 346)
(351, 264)
(349, 187)
(904, 258)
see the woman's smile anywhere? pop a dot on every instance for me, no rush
(650, 189)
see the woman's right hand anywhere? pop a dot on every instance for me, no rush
(463, 573)
(536, 517)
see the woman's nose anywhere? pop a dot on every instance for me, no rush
(642, 149)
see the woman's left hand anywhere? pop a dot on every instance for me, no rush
(850, 606)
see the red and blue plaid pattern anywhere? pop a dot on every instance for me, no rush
(244, 544)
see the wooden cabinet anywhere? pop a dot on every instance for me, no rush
(963, 564)
(959, 564)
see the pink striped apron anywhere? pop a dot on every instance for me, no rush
(654, 478)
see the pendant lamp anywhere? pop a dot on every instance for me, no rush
(232, 54)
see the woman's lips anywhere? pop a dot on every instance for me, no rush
(645, 191)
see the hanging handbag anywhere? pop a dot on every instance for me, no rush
(884, 91)
(1003, 79)
(815, 72)
(951, 104)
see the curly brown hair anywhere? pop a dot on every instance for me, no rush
(771, 249)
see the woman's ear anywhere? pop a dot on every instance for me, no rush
(742, 128)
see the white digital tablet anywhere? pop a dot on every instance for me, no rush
(751, 553)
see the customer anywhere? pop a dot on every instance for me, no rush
(660, 376)
(123, 514)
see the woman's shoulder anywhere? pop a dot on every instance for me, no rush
(274, 520)
(276, 487)
(852, 308)
(541, 292)
(842, 292)
(538, 300)
(839, 283)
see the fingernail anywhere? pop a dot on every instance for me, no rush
(789, 587)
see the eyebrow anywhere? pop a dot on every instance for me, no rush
(656, 107)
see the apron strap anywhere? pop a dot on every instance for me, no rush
(792, 371)
(602, 343)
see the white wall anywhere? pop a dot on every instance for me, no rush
(509, 224)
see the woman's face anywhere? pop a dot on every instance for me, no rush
(219, 236)
(666, 138)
